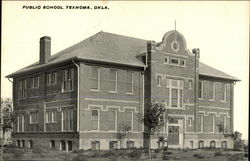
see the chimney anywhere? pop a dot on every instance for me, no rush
(45, 49)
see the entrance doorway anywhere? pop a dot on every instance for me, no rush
(173, 135)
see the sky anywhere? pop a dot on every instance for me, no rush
(219, 29)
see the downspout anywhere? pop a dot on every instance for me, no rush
(78, 94)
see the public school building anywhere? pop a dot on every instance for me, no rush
(80, 97)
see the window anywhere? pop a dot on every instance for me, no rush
(128, 119)
(201, 144)
(50, 116)
(174, 93)
(67, 120)
(130, 144)
(191, 144)
(113, 80)
(34, 117)
(166, 60)
(210, 123)
(200, 90)
(95, 79)
(112, 116)
(223, 92)
(22, 89)
(35, 82)
(95, 119)
(95, 145)
(52, 144)
(200, 120)
(212, 144)
(63, 145)
(130, 82)
(225, 123)
(183, 63)
(211, 90)
(190, 84)
(174, 61)
(70, 145)
(51, 78)
(30, 144)
(112, 145)
(158, 80)
(20, 123)
(68, 79)
(18, 143)
(190, 119)
(23, 143)
(224, 144)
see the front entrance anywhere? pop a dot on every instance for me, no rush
(173, 135)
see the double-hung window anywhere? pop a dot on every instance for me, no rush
(128, 120)
(67, 120)
(130, 82)
(174, 93)
(112, 117)
(22, 89)
(200, 90)
(95, 119)
(95, 79)
(50, 116)
(35, 82)
(211, 90)
(223, 92)
(20, 123)
(34, 117)
(51, 78)
(68, 79)
(113, 80)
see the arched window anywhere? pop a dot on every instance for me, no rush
(212, 144)
(201, 144)
(95, 145)
(52, 144)
(70, 145)
(30, 144)
(18, 143)
(191, 144)
(224, 144)
(63, 145)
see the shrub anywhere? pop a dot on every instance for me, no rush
(18, 154)
(38, 150)
(198, 156)
(235, 157)
(218, 153)
(135, 154)
(80, 157)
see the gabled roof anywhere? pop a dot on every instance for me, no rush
(110, 48)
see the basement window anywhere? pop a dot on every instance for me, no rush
(174, 61)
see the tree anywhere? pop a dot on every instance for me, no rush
(7, 115)
(236, 136)
(123, 131)
(155, 117)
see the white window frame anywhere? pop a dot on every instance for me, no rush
(158, 83)
(202, 87)
(225, 123)
(98, 80)
(115, 120)
(36, 119)
(53, 117)
(132, 83)
(166, 57)
(67, 79)
(213, 118)
(49, 78)
(68, 121)
(33, 80)
(116, 79)
(172, 58)
(185, 62)
(225, 93)
(190, 120)
(178, 87)
(190, 86)
(213, 92)
(98, 121)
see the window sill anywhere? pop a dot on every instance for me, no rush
(51, 84)
(158, 86)
(200, 98)
(211, 100)
(114, 92)
(94, 90)
(33, 123)
(51, 122)
(129, 93)
(223, 101)
(68, 91)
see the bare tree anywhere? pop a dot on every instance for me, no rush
(123, 131)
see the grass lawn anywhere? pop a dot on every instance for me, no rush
(121, 155)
